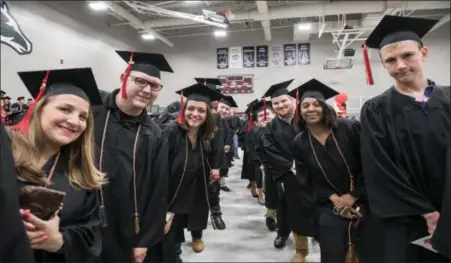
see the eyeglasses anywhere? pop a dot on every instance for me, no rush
(142, 83)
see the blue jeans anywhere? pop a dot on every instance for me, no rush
(235, 144)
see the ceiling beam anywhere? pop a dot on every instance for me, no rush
(313, 10)
(441, 22)
(136, 22)
(262, 7)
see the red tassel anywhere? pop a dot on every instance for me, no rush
(264, 109)
(24, 124)
(126, 75)
(250, 123)
(366, 60)
(180, 117)
(297, 106)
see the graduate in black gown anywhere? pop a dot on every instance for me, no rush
(277, 139)
(404, 140)
(134, 154)
(56, 152)
(224, 109)
(328, 165)
(14, 244)
(192, 159)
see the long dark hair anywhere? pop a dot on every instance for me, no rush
(208, 129)
(329, 118)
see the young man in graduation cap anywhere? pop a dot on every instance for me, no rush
(225, 106)
(276, 145)
(404, 140)
(260, 114)
(134, 154)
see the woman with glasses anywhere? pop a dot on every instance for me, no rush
(55, 151)
(328, 165)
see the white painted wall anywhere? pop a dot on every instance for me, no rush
(54, 37)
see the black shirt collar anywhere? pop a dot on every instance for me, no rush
(142, 119)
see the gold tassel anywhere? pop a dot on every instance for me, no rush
(352, 182)
(351, 255)
(136, 223)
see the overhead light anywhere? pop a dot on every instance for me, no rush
(220, 33)
(304, 27)
(98, 5)
(147, 36)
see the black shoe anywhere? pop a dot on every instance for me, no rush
(249, 186)
(225, 188)
(271, 223)
(280, 242)
(218, 222)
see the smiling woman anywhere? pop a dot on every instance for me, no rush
(56, 151)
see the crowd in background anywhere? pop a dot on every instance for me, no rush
(9, 111)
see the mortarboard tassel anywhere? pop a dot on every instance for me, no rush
(180, 117)
(126, 75)
(351, 255)
(24, 124)
(297, 106)
(366, 61)
(250, 123)
(264, 109)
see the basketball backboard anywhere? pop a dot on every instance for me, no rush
(338, 63)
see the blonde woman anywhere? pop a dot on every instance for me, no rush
(54, 149)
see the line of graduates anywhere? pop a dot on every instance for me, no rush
(365, 190)
(132, 185)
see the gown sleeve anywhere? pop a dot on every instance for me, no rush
(272, 153)
(14, 245)
(82, 241)
(359, 189)
(154, 218)
(389, 191)
(217, 146)
(303, 173)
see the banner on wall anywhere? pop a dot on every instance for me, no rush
(248, 57)
(289, 54)
(235, 57)
(276, 56)
(222, 58)
(304, 54)
(262, 56)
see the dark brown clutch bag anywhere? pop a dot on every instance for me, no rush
(41, 201)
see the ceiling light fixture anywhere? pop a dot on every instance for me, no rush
(147, 36)
(305, 27)
(98, 5)
(220, 33)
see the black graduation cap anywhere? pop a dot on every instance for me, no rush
(148, 63)
(229, 101)
(30, 99)
(314, 89)
(209, 82)
(200, 92)
(75, 81)
(2, 93)
(278, 89)
(7, 97)
(20, 98)
(393, 29)
(250, 107)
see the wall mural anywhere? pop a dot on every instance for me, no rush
(11, 34)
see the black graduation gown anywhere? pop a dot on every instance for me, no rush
(404, 152)
(79, 223)
(170, 113)
(198, 210)
(270, 185)
(253, 162)
(14, 244)
(441, 240)
(119, 235)
(277, 141)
